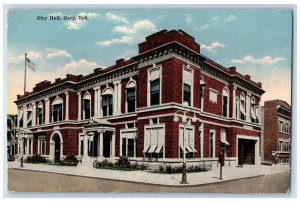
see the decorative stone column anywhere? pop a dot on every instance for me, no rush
(24, 116)
(79, 106)
(67, 106)
(96, 101)
(248, 106)
(113, 142)
(234, 115)
(33, 114)
(85, 146)
(47, 110)
(101, 133)
(117, 98)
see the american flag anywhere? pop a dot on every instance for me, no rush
(30, 64)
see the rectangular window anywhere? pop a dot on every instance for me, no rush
(187, 93)
(213, 96)
(42, 145)
(201, 96)
(107, 105)
(212, 145)
(87, 108)
(154, 121)
(21, 123)
(225, 105)
(57, 112)
(243, 116)
(130, 125)
(29, 117)
(81, 147)
(155, 92)
(130, 147)
(130, 99)
(40, 116)
(124, 147)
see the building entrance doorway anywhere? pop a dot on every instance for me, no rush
(246, 151)
(57, 151)
(106, 145)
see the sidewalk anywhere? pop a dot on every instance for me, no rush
(229, 173)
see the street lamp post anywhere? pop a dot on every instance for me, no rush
(184, 120)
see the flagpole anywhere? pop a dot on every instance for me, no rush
(25, 74)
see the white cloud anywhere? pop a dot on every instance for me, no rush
(113, 17)
(140, 25)
(267, 60)
(189, 19)
(77, 24)
(132, 33)
(212, 46)
(77, 65)
(124, 39)
(230, 18)
(56, 14)
(59, 53)
(215, 18)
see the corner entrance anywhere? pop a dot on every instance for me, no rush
(246, 151)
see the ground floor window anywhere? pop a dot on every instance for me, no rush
(42, 146)
(212, 144)
(154, 142)
(128, 147)
(187, 142)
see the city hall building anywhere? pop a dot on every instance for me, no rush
(135, 108)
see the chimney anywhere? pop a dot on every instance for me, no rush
(119, 62)
(232, 69)
(97, 69)
(247, 77)
(57, 80)
(259, 84)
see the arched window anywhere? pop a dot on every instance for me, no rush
(39, 114)
(254, 111)
(131, 96)
(29, 116)
(107, 102)
(57, 109)
(242, 106)
(87, 105)
(21, 112)
(225, 102)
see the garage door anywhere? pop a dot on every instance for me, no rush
(246, 151)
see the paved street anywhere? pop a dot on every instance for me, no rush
(35, 181)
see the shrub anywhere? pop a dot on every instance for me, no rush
(70, 160)
(123, 162)
(36, 159)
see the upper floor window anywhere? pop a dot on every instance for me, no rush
(39, 114)
(107, 102)
(29, 118)
(21, 118)
(242, 107)
(225, 103)
(254, 111)
(213, 96)
(187, 93)
(202, 84)
(57, 110)
(87, 106)
(155, 92)
(131, 99)
(154, 86)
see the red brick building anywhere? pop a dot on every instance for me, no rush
(276, 134)
(128, 109)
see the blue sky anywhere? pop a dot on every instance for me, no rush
(258, 42)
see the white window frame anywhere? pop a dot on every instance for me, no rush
(225, 93)
(41, 139)
(87, 96)
(57, 100)
(131, 84)
(214, 143)
(201, 137)
(211, 98)
(156, 127)
(187, 127)
(108, 91)
(188, 78)
(40, 106)
(149, 78)
(128, 133)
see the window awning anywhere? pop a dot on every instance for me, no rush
(189, 149)
(224, 141)
(158, 149)
(193, 148)
(146, 148)
(152, 148)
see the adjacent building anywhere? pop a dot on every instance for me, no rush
(12, 146)
(128, 109)
(276, 133)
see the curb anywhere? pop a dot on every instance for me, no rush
(142, 183)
